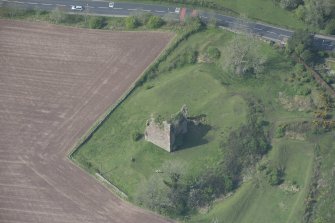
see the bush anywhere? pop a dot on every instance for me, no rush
(96, 22)
(280, 131)
(131, 22)
(307, 56)
(116, 23)
(246, 145)
(189, 56)
(213, 53)
(299, 69)
(274, 176)
(300, 41)
(154, 22)
(304, 91)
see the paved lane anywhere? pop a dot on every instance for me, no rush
(266, 31)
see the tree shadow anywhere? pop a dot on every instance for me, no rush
(194, 136)
(276, 63)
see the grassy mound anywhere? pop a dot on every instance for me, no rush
(113, 146)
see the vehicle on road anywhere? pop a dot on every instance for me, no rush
(77, 7)
(111, 5)
(177, 10)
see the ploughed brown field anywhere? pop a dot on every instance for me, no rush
(54, 83)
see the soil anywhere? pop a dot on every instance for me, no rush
(54, 83)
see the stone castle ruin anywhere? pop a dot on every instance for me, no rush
(167, 134)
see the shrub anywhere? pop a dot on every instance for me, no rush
(307, 56)
(96, 22)
(299, 68)
(280, 131)
(213, 53)
(116, 23)
(131, 22)
(154, 22)
(304, 91)
(188, 56)
(274, 176)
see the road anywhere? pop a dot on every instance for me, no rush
(124, 9)
(266, 31)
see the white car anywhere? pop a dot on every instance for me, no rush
(77, 7)
(177, 10)
(111, 5)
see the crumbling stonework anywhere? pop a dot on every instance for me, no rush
(166, 133)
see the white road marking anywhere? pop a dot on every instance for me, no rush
(272, 32)
(284, 35)
(146, 10)
(32, 3)
(257, 28)
(18, 2)
(103, 7)
(45, 4)
(60, 5)
(132, 9)
(117, 8)
(159, 11)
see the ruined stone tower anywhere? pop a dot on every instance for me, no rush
(166, 133)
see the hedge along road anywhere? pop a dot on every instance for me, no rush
(266, 31)
(54, 83)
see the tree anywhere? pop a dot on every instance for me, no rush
(96, 22)
(131, 22)
(317, 12)
(153, 194)
(299, 42)
(243, 56)
(166, 193)
(154, 22)
(307, 56)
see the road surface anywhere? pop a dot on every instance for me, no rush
(266, 31)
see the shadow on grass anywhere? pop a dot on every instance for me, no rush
(276, 63)
(195, 135)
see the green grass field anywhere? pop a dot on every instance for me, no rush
(207, 89)
(326, 199)
(113, 146)
(263, 10)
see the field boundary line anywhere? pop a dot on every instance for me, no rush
(102, 118)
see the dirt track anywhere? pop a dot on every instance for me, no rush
(54, 83)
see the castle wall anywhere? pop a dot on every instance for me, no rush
(159, 135)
